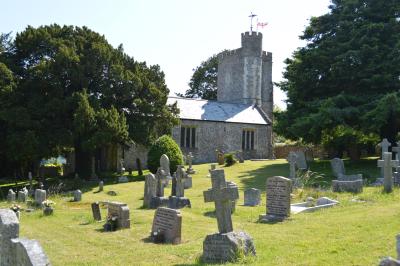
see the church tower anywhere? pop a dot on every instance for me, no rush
(245, 74)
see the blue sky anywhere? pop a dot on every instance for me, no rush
(175, 34)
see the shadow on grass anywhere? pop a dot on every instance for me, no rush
(210, 214)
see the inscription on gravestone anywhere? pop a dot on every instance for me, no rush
(168, 223)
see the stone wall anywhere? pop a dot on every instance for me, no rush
(282, 151)
(134, 152)
(15, 250)
(226, 137)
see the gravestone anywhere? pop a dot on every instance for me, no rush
(384, 145)
(387, 164)
(233, 185)
(177, 199)
(189, 159)
(40, 196)
(101, 185)
(121, 168)
(164, 164)
(167, 226)
(220, 157)
(123, 179)
(345, 183)
(121, 211)
(150, 190)
(11, 195)
(226, 245)
(18, 251)
(252, 197)
(389, 261)
(23, 195)
(77, 195)
(301, 160)
(96, 211)
(188, 182)
(292, 159)
(159, 199)
(213, 167)
(278, 199)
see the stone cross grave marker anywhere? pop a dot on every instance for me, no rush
(167, 225)
(11, 195)
(337, 167)
(150, 189)
(164, 164)
(387, 164)
(301, 160)
(189, 159)
(96, 211)
(222, 196)
(384, 145)
(278, 199)
(292, 159)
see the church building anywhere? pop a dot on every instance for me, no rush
(240, 120)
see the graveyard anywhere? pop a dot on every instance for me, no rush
(360, 230)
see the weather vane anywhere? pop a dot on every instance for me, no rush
(251, 21)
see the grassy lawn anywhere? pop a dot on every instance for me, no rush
(353, 233)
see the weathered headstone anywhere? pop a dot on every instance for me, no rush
(177, 199)
(301, 160)
(101, 185)
(396, 150)
(123, 179)
(387, 164)
(337, 167)
(11, 195)
(14, 250)
(225, 245)
(22, 195)
(121, 211)
(77, 195)
(167, 226)
(40, 196)
(278, 199)
(96, 211)
(220, 157)
(233, 185)
(240, 157)
(150, 190)
(188, 182)
(384, 145)
(292, 159)
(159, 199)
(164, 164)
(345, 183)
(189, 159)
(252, 197)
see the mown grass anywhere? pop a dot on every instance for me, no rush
(353, 233)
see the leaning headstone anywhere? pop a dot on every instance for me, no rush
(226, 245)
(96, 211)
(337, 167)
(301, 160)
(14, 250)
(150, 190)
(387, 164)
(40, 196)
(11, 195)
(292, 159)
(278, 199)
(167, 226)
(77, 195)
(252, 197)
(101, 185)
(121, 212)
(23, 195)
(164, 164)
(189, 159)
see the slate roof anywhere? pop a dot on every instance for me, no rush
(197, 109)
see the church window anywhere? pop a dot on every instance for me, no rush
(248, 139)
(188, 137)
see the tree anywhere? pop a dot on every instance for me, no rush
(203, 83)
(67, 75)
(351, 62)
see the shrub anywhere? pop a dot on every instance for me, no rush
(230, 159)
(164, 145)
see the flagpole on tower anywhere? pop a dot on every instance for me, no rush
(251, 21)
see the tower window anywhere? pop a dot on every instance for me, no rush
(248, 139)
(188, 137)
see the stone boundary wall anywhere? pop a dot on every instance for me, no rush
(282, 151)
(15, 250)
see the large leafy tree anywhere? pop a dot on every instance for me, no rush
(344, 74)
(203, 83)
(75, 91)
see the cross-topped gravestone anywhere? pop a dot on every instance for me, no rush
(387, 164)
(189, 159)
(292, 158)
(385, 144)
(222, 196)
